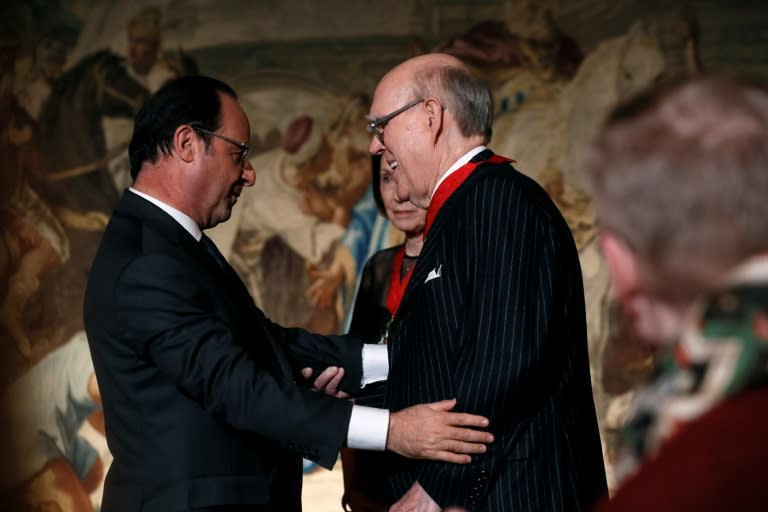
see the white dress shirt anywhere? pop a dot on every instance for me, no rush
(458, 164)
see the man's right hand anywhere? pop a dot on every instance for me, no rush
(328, 381)
(431, 431)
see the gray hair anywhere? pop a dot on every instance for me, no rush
(466, 97)
(680, 174)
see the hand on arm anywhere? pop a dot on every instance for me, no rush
(431, 431)
(328, 381)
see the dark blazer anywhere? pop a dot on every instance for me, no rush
(198, 386)
(494, 316)
(370, 315)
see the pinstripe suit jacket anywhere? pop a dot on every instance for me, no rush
(494, 316)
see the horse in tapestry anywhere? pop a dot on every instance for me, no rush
(75, 162)
(74, 177)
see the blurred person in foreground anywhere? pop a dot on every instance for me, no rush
(680, 178)
(203, 410)
(494, 311)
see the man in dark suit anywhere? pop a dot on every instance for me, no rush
(200, 397)
(494, 312)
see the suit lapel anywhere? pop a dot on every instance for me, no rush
(222, 268)
(153, 218)
(424, 265)
(427, 261)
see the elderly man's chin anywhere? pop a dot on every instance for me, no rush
(420, 198)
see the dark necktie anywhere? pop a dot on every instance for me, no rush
(213, 251)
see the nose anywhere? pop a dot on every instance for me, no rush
(376, 147)
(249, 174)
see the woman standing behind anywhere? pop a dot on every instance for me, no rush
(383, 281)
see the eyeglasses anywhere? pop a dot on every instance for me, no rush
(244, 148)
(376, 125)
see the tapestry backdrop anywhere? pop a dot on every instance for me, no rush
(74, 73)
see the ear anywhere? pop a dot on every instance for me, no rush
(622, 265)
(186, 142)
(435, 113)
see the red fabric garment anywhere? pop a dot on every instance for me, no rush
(396, 285)
(717, 462)
(453, 182)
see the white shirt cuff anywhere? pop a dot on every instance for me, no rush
(368, 428)
(375, 363)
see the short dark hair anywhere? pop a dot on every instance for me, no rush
(186, 100)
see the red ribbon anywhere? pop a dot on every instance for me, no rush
(451, 183)
(397, 286)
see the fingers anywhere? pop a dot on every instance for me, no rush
(454, 458)
(306, 373)
(443, 405)
(328, 382)
(463, 442)
(459, 418)
(333, 386)
(322, 380)
(467, 420)
(473, 436)
(468, 448)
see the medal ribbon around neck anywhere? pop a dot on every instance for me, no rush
(397, 286)
(453, 182)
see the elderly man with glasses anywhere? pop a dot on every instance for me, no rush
(494, 311)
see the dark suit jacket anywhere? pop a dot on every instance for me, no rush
(494, 316)
(370, 315)
(198, 386)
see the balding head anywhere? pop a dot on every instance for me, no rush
(426, 63)
(445, 77)
(445, 112)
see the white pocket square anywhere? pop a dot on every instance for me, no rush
(434, 273)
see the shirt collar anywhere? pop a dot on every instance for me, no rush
(458, 164)
(182, 218)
